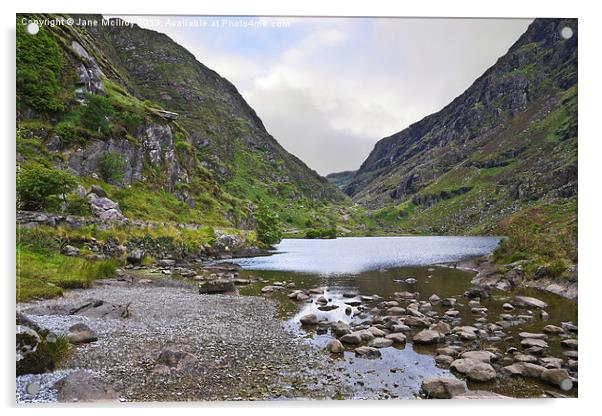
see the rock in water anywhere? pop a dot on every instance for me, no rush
(442, 387)
(380, 343)
(81, 386)
(353, 338)
(335, 346)
(529, 302)
(367, 352)
(428, 336)
(310, 319)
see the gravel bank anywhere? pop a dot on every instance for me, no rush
(242, 350)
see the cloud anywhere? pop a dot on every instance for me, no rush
(328, 88)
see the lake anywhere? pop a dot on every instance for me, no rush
(369, 270)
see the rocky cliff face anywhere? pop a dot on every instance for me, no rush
(507, 145)
(131, 108)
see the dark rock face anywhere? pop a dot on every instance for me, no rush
(484, 149)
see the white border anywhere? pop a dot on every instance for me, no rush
(590, 95)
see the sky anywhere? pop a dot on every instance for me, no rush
(329, 88)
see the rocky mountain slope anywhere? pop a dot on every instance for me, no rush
(500, 158)
(167, 138)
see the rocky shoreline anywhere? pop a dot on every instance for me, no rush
(511, 276)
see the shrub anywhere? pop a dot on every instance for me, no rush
(321, 233)
(77, 205)
(37, 185)
(96, 113)
(111, 167)
(269, 230)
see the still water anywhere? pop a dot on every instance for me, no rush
(349, 268)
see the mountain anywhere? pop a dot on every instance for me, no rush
(341, 179)
(168, 138)
(500, 158)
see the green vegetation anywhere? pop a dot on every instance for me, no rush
(269, 230)
(325, 233)
(111, 166)
(39, 65)
(42, 272)
(38, 187)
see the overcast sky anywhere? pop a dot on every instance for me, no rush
(329, 88)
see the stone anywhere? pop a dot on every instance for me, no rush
(335, 346)
(308, 320)
(377, 332)
(569, 326)
(477, 292)
(428, 336)
(352, 338)
(482, 356)
(552, 362)
(400, 328)
(367, 352)
(557, 377)
(451, 351)
(176, 359)
(81, 334)
(414, 321)
(396, 311)
(106, 209)
(95, 308)
(532, 335)
(95, 189)
(397, 338)
(217, 286)
(441, 327)
(473, 369)
(410, 280)
(135, 256)
(380, 342)
(69, 250)
(533, 342)
(442, 387)
(339, 329)
(507, 307)
(523, 369)
(481, 372)
(166, 263)
(444, 360)
(529, 302)
(81, 386)
(434, 298)
(365, 335)
(569, 343)
(525, 358)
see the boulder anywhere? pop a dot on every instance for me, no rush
(352, 338)
(428, 336)
(380, 342)
(377, 332)
(335, 346)
(217, 286)
(106, 209)
(339, 329)
(135, 256)
(367, 352)
(434, 298)
(416, 322)
(69, 250)
(95, 308)
(482, 356)
(308, 320)
(477, 292)
(481, 372)
(524, 369)
(81, 334)
(532, 335)
(176, 359)
(81, 386)
(534, 342)
(444, 360)
(529, 302)
(95, 189)
(557, 377)
(570, 343)
(397, 338)
(553, 329)
(442, 387)
(33, 352)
